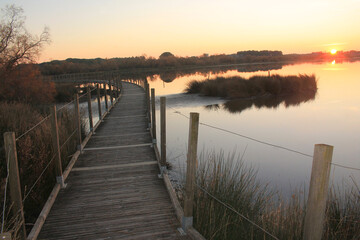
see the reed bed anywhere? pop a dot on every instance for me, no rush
(237, 189)
(256, 86)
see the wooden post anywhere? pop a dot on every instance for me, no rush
(153, 118)
(90, 109)
(56, 146)
(110, 92)
(163, 133)
(99, 100)
(148, 107)
(105, 95)
(14, 179)
(319, 183)
(117, 88)
(187, 220)
(78, 121)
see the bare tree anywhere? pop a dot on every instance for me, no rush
(17, 45)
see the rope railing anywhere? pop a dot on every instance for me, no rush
(236, 212)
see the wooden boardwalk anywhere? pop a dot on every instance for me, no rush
(113, 191)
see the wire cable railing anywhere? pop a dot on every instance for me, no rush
(32, 128)
(260, 141)
(68, 139)
(38, 179)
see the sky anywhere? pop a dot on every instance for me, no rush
(126, 28)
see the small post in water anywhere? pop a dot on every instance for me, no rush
(163, 134)
(319, 183)
(90, 109)
(187, 220)
(153, 118)
(56, 147)
(14, 180)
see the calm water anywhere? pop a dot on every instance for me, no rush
(331, 118)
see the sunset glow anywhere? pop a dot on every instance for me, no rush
(110, 28)
(333, 51)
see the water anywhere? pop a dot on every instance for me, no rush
(331, 118)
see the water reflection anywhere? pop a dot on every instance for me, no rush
(239, 105)
(168, 76)
(260, 67)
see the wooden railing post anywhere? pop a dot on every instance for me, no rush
(187, 220)
(99, 100)
(90, 109)
(319, 183)
(78, 120)
(14, 179)
(111, 93)
(56, 147)
(147, 102)
(117, 88)
(163, 133)
(105, 95)
(153, 118)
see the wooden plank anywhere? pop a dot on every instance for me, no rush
(117, 147)
(114, 166)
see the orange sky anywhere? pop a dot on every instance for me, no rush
(110, 28)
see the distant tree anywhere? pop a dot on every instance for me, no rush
(17, 47)
(166, 55)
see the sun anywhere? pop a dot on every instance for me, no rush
(333, 51)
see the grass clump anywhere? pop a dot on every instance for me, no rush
(236, 185)
(256, 86)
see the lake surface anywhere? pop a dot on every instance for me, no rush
(331, 118)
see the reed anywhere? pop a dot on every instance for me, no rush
(236, 184)
(256, 86)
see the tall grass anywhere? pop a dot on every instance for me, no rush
(238, 87)
(35, 151)
(236, 184)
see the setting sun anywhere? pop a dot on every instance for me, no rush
(333, 51)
